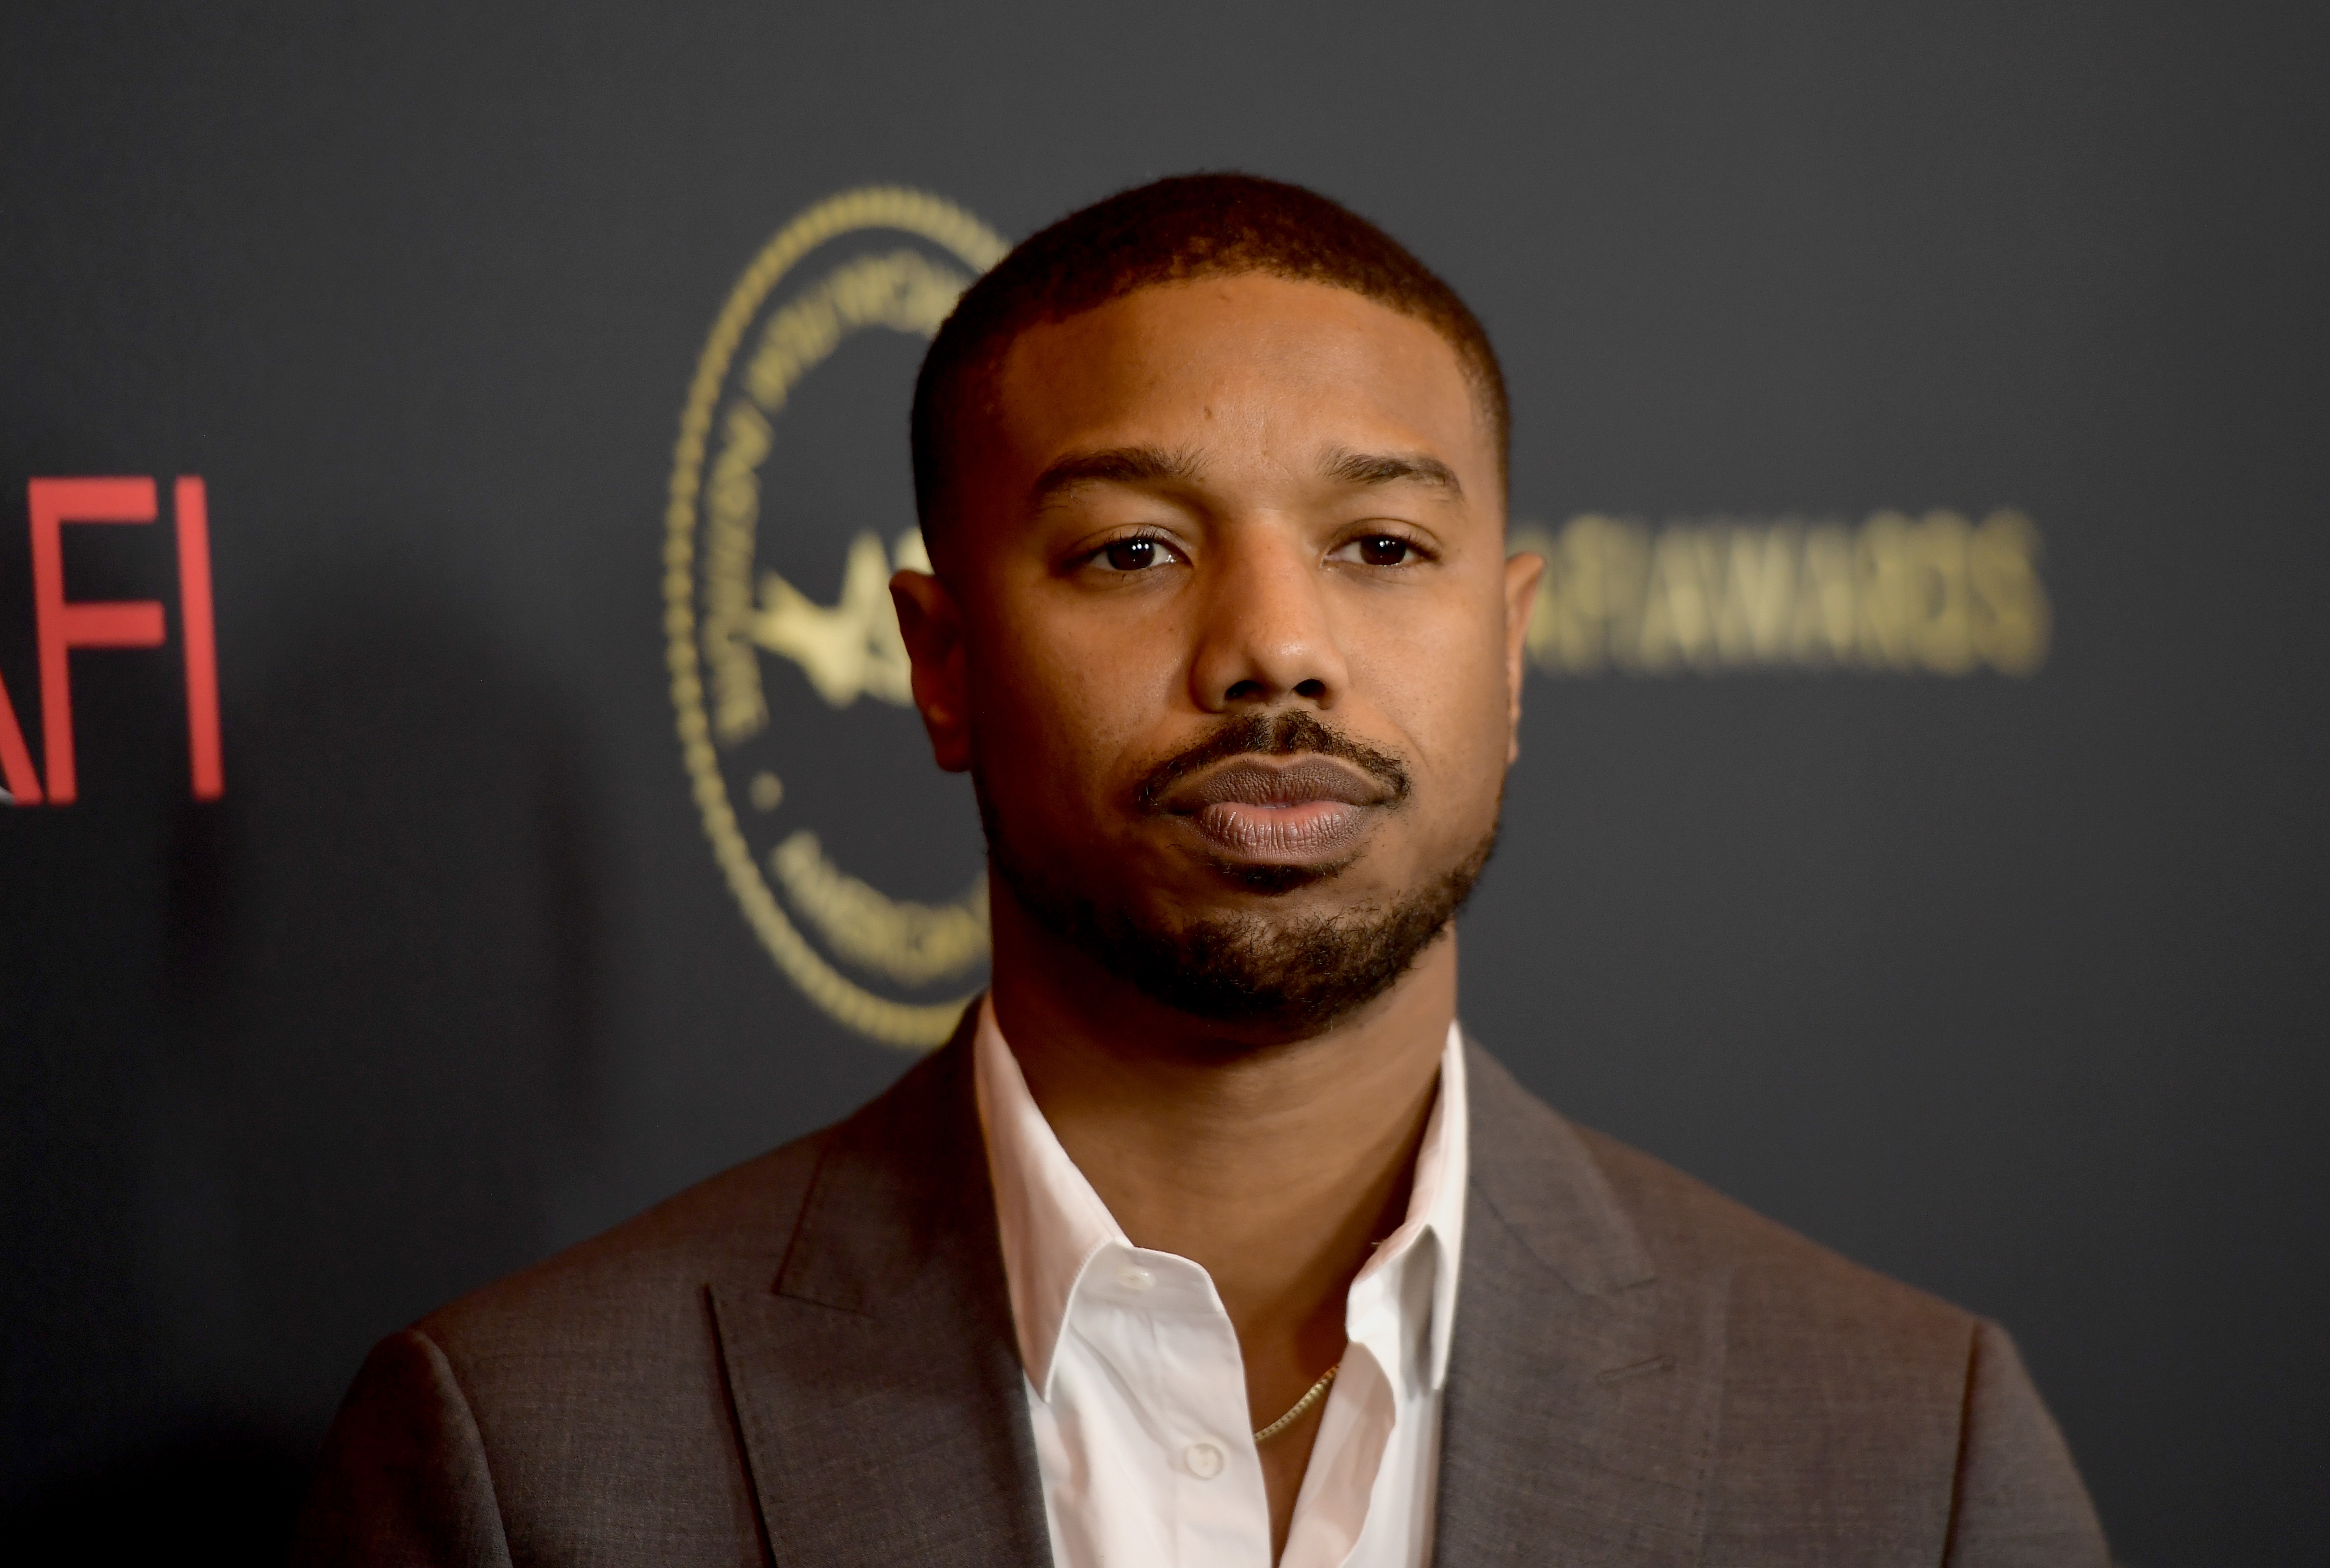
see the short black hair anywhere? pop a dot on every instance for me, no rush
(1173, 230)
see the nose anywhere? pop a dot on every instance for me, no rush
(1266, 637)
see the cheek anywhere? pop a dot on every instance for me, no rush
(1441, 679)
(1442, 685)
(1059, 714)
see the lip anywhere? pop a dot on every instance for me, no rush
(1295, 813)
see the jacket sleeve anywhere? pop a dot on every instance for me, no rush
(402, 1481)
(2019, 1501)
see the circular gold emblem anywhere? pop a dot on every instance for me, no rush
(854, 861)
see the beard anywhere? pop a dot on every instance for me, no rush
(1293, 975)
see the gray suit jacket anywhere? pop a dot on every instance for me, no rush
(810, 1360)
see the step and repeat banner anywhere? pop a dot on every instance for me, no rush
(462, 782)
(761, 668)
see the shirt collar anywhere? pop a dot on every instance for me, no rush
(1432, 1235)
(1051, 1220)
(1053, 1224)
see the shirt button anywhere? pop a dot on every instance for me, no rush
(1204, 1460)
(1133, 1277)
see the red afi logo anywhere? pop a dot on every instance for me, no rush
(61, 624)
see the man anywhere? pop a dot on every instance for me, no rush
(1208, 1240)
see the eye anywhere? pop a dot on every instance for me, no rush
(1138, 553)
(1378, 550)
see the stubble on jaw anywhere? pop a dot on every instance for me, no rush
(1292, 974)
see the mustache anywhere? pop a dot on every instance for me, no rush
(1273, 735)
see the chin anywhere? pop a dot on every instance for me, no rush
(1281, 965)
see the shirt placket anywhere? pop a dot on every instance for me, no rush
(1358, 1431)
(1169, 1341)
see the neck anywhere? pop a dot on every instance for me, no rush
(1276, 1166)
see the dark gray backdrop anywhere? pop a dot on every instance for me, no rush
(2012, 988)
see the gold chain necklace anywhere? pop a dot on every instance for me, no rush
(1306, 1403)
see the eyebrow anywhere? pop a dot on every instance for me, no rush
(1350, 467)
(1117, 466)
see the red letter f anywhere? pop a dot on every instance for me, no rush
(61, 626)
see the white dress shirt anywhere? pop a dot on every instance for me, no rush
(1136, 1389)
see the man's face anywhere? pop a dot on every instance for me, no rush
(1234, 651)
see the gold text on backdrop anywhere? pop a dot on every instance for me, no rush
(1935, 594)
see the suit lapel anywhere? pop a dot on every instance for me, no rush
(875, 1381)
(1583, 1394)
(883, 1412)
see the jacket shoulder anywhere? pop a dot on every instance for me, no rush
(618, 1329)
(1606, 1215)
(1689, 1229)
(1854, 1404)
(1821, 1353)
(629, 1310)
(730, 1227)
(577, 1402)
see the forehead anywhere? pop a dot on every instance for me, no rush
(1251, 357)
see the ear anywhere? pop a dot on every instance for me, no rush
(1522, 572)
(932, 624)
